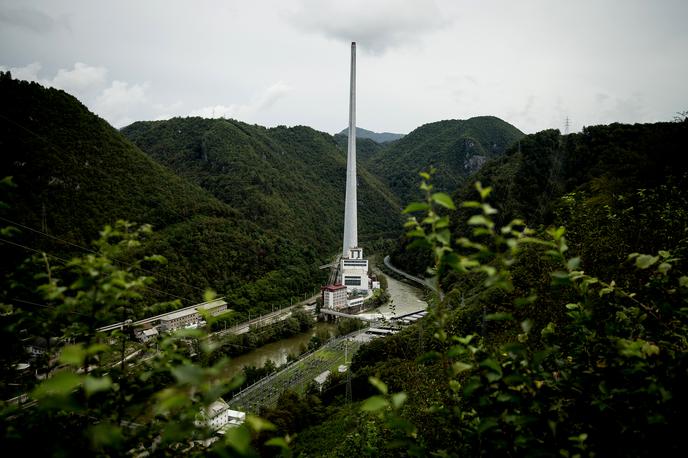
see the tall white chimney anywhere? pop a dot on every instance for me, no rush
(350, 210)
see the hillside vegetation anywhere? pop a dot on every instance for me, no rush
(289, 181)
(377, 137)
(74, 174)
(564, 337)
(457, 148)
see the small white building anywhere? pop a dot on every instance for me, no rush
(334, 296)
(321, 379)
(356, 301)
(218, 416)
(148, 334)
(355, 271)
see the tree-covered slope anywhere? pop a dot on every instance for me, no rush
(625, 184)
(377, 137)
(288, 180)
(75, 173)
(365, 147)
(457, 148)
(565, 339)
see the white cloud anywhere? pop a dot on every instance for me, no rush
(215, 111)
(81, 77)
(28, 72)
(119, 102)
(270, 96)
(376, 25)
(262, 102)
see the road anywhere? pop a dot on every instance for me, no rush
(423, 282)
(263, 320)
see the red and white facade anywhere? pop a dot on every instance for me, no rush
(334, 296)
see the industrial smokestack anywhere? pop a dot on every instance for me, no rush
(350, 209)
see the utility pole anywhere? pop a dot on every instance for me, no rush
(44, 219)
(348, 394)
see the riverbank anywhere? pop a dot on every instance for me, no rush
(404, 298)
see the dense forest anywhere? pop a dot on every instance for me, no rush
(560, 330)
(289, 181)
(377, 137)
(565, 336)
(457, 148)
(248, 211)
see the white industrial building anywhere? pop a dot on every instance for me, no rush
(355, 271)
(180, 319)
(218, 416)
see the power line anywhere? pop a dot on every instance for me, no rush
(14, 299)
(62, 154)
(65, 261)
(97, 252)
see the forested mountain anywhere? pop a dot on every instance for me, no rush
(288, 180)
(377, 137)
(568, 338)
(635, 173)
(365, 147)
(74, 174)
(561, 330)
(457, 148)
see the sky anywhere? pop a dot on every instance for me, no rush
(533, 63)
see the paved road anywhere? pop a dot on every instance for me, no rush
(263, 320)
(431, 284)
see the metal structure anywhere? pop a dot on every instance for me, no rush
(296, 375)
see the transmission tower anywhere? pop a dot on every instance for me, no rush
(567, 125)
(348, 372)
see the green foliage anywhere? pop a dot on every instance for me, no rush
(456, 148)
(284, 179)
(364, 135)
(75, 173)
(606, 378)
(101, 400)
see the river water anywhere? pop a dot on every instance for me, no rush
(276, 351)
(405, 298)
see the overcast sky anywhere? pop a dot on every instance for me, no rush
(531, 62)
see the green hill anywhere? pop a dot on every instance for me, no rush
(377, 137)
(457, 148)
(75, 173)
(289, 181)
(365, 147)
(559, 347)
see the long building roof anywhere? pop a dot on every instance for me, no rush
(179, 314)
